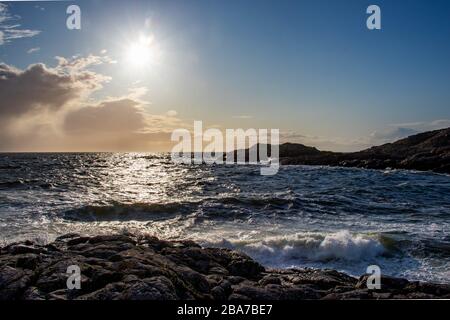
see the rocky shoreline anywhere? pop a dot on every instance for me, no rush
(127, 267)
(427, 151)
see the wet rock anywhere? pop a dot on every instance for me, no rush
(269, 279)
(78, 240)
(381, 295)
(100, 278)
(147, 268)
(67, 236)
(386, 282)
(245, 268)
(20, 249)
(429, 288)
(99, 252)
(219, 293)
(28, 261)
(197, 280)
(235, 279)
(111, 238)
(420, 295)
(218, 270)
(238, 297)
(257, 293)
(322, 279)
(33, 293)
(156, 288)
(13, 282)
(358, 294)
(110, 292)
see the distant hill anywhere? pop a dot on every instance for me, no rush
(423, 151)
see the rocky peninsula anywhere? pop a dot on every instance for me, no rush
(427, 151)
(128, 267)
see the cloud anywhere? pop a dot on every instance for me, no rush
(51, 109)
(324, 143)
(425, 126)
(35, 99)
(4, 14)
(77, 63)
(120, 124)
(391, 134)
(110, 117)
(402, 130)
(41, 89)
(172, 113)
(9, 29)
(32, 50)
(387, 135)
(243, 117)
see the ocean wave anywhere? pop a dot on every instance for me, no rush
(145, 211)
(290, 219)
(25, 184)
(256, 202)
(308, 247)
(128, 211)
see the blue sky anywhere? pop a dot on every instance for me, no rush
(310, 68)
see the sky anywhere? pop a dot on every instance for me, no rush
(137, 70)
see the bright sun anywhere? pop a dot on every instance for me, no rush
(143, 52)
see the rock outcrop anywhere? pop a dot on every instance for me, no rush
(146, 268)
(428, 151)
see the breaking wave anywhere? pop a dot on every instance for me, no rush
(308, 247)
(396, 219)
(128, 211)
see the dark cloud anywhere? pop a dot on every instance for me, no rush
(39, 89)
(110, 117)
(45, 109)
(118, 125)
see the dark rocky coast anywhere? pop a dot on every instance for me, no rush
(146, 268)
(427, 151)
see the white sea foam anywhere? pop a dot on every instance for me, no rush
(307, 247)
(291, 219)
(342, 245)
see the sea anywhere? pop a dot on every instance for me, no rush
(305, 216)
